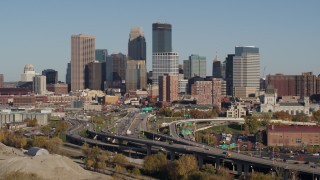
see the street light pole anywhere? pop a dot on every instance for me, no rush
(273, 155)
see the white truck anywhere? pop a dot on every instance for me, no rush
(128, 132)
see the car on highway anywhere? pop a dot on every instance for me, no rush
(226, 153)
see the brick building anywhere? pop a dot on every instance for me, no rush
(217, 92)
(58, 89)
(15, 91)
(202, 91)
(293, 135)
(24, 100)
(303, 85)
(168, 88)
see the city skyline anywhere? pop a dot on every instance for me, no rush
(37, 34)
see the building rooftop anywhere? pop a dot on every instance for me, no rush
(285, 128)
(291, 104)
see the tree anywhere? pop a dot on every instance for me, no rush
(119, 168)
(54, 145)
(89, 163)
(95, 157)
(282, 116)
(224, 174)
(120, 160)
(21, 142)
(19, 175)
(186, 164)
(252, 123)
(265, 116)
(39, 141)
(209, 168)
(97, 120)
(300, 117)
(62, 127)
(165, 112)
(45, 130)
(210, 139)
(136, 171)
(260, 176)
(3, 135)
(259, 136)
(316, 116)
(155, 163)
(32, 123)
(202, 175)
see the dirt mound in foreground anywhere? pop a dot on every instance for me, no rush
(47, 167)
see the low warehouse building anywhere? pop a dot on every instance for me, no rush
(293, 135)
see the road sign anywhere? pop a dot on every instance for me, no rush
(146, 109)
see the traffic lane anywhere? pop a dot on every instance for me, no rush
(240, 156)
(211, 151)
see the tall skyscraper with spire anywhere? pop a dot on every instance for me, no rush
(164, 61)
(82, 53)
(137, 44)
(216, 68)
(136, 70)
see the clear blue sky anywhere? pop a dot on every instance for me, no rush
(38, 31)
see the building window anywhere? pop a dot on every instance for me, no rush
(298, 140)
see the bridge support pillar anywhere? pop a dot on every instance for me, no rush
(239, 168)
(172, 155)
(285, 174)
(148, 150)
(246, 168)
(233, 168)
(200, 160)
(217, 164)
(120, 141)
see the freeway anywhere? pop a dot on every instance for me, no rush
(211, 152)
(218, 119)
(138, 124)
(191, 148)
(73, 135)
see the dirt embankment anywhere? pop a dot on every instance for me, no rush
(45, 166)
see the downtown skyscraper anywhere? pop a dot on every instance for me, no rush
(137, 48)
(195, 66)
(136, 68)
(51, 76)
(246, 71)
(164, 61)
(82, 53)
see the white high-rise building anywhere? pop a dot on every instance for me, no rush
(164, 63)
(40, 84)
(28, 73)
(246, 71)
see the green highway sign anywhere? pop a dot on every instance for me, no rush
(146, 109)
